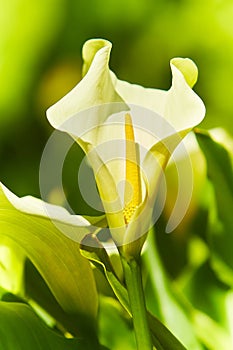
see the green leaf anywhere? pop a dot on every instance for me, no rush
(11, 266)
(37, 290)
(212, 299)
(22, 329)
(92, 249)
(172, 313)
(57, 258)
(192, 326)
(112, 317)
(220, 173)
(162, 338)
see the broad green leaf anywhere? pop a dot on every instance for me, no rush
(22, 329)
(11, 266)
(37, 290)
(57, 258)
(220, 173)
(209, 317)
(115, 331)
(212, 299)
(162, 338)
(170, 310)
(192, 326)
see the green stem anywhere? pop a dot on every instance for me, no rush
(133, 280)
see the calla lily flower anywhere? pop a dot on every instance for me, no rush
(128, 134)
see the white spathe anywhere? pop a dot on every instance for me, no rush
(93, 113)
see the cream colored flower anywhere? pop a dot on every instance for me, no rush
(128, 133)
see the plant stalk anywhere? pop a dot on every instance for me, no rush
(133, 279)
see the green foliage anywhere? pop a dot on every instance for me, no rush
(162, 338)
(56, 257)
(111, 316)
(220, 173)
(22, 329)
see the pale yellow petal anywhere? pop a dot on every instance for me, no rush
(188, 68)
(96, 88)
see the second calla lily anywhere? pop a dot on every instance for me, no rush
(128, 134)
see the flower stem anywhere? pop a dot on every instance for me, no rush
(133, 280)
